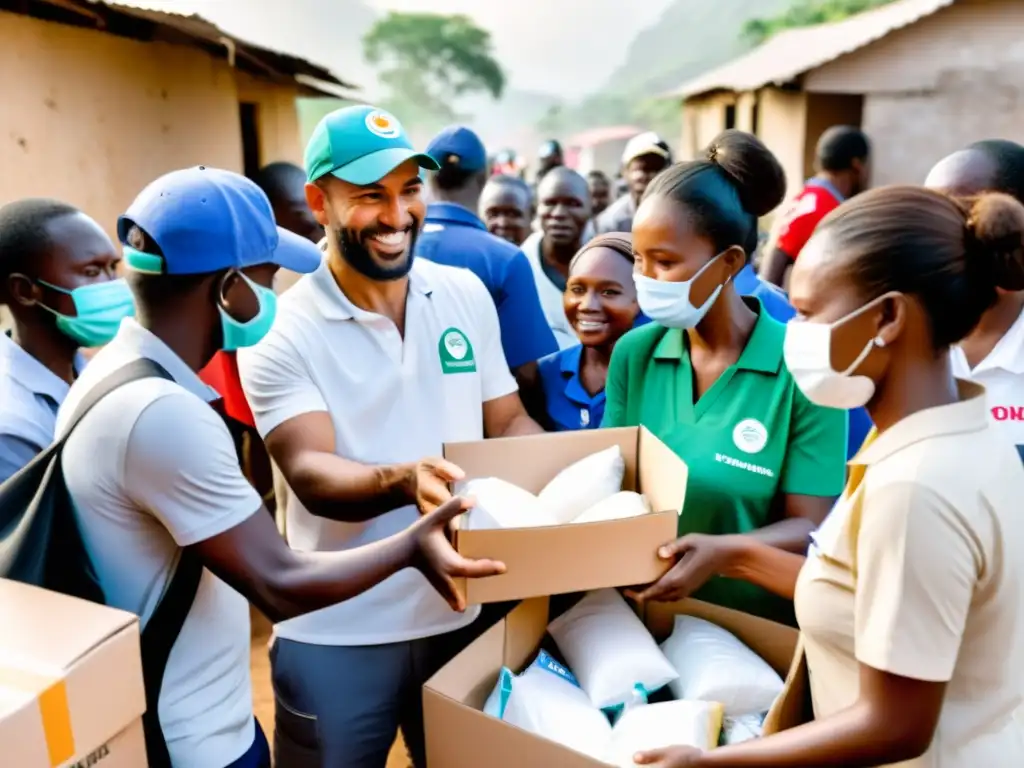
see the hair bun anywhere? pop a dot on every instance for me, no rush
(753, 169)
(995, 239)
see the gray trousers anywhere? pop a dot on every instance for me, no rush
(342, 706)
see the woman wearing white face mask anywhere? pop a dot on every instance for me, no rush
(707, 376)
(910, 600)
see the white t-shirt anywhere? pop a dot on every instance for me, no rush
(391, 401)
(1002, 375)
(550, 295)
(152, 469)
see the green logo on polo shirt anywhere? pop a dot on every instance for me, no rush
(456, 352)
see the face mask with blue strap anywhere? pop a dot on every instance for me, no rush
(235, 333)
(99, 310)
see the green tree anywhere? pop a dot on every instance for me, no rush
(428, 60)
(806, 13)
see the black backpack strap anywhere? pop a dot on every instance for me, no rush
(158, 637)
(143, 368)
(164, 626)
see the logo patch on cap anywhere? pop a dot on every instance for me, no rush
(382, 124)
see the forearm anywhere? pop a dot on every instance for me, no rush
(852, 738)
(309, 581)
(766, 566)
(340, 489)
(521, 425)
(792, 534)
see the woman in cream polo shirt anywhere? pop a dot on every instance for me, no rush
(911, 601)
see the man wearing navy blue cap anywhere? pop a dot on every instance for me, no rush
(377, 359)
(155, 480)
(453, 234)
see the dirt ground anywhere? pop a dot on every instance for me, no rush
(263, 695)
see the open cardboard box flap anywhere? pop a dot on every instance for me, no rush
(572, 558)
(70, 677)
(460, 735)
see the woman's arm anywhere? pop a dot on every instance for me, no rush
(917, 572)
(701, 556)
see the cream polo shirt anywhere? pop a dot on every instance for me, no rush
(1002, 375)
(392, 400)
(920, 573)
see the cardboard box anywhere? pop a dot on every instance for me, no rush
(460, 735)
(71, 688)
(572, 558)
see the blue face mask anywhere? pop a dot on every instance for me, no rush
(238, 334)
(99, 310)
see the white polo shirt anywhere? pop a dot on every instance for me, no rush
(1002, 375)
(550, 294)
(391, 401)
(30, 394)
(152, 469)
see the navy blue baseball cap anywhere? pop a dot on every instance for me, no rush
(458, 146)
(206, 219)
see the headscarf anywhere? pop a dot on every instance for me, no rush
(620, 242)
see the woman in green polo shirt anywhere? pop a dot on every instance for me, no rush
(708, 378)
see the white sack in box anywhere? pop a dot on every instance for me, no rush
(714, 665)
(546, 700)
(609, 649)
(619, 506)
(500, 504)
(580, 486)
(736, 730)
(656, 726)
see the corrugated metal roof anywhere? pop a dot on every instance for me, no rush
(180, 20)
(793, 52)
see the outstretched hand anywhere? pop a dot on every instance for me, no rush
(697, 558)
(437, 559)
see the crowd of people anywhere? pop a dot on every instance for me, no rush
(849, 418)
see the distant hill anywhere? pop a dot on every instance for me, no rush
(692, 36)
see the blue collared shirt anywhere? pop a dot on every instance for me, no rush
(569, 405)
(30, 394)
(455, 236)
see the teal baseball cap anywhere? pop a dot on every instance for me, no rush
(360, 145)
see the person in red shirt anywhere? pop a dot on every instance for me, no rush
(843, 159)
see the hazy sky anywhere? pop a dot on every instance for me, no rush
(565, 47)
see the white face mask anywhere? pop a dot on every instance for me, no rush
(668, 304)
(808, 355)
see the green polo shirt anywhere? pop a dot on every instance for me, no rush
(750, 438)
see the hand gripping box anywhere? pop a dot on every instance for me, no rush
(578, 556)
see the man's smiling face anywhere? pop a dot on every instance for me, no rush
(374, 226)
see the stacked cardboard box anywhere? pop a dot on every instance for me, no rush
(71, 689)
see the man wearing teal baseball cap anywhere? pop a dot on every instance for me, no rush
(376, 360)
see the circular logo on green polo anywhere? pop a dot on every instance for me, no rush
(382, 124)
(750, 436)
(456, 352)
